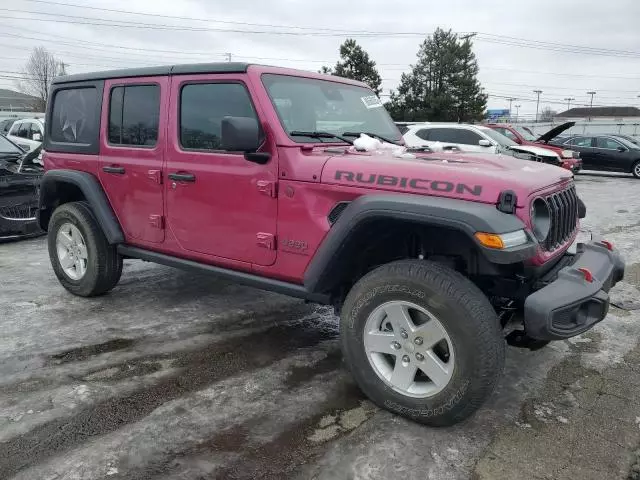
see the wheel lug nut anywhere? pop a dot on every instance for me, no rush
(406, 359)
(419, 357)
(418, 341)
(403, 334)
(395, 345)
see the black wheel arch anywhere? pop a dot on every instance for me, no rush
(61, 186)
(462, 217)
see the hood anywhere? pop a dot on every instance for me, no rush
(479, 178)
(555, 131)
(539, 151)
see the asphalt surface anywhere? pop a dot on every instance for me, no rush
(175, 375)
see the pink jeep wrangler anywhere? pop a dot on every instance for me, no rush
(249, 172)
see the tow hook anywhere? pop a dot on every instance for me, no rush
(518, 338)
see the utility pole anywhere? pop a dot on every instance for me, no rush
(228, 55)
(468, 36)
(569, 100)
(517, 112)
(591, 107)
(510, 101)
(537, 103)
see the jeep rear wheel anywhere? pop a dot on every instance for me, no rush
(422, 341)
(80, 255)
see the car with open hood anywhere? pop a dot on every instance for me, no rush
(20, 175)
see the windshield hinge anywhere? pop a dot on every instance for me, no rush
(507, 201)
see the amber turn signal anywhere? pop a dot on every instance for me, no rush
(490, 240)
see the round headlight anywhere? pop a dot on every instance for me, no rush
(540, 219)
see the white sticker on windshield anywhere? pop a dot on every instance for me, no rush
(371, 101)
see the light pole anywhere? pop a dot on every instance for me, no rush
(517, 112)
(569, 100)
(591, 107)
(537, 103)
(510, 101)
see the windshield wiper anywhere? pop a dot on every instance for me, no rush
(298, 133)
(374, 135)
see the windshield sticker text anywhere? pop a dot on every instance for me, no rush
(371, 101)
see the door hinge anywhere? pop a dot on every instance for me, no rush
(266, 240)
(156, 221)
(267, 187)
(156, 176)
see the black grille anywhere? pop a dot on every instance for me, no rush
(563, 207)
(335, 213)
(18, 212)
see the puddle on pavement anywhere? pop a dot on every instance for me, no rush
(83, 353)
(194, 370)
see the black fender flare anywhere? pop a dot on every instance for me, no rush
(50, 191)
(464, 216)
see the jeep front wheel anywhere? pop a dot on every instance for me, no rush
(422, 341)
(80, 255)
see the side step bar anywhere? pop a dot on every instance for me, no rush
(248, 279)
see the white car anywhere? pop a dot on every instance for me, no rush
(474, 139)
(27, 133)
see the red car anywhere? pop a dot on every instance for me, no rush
(569, 159)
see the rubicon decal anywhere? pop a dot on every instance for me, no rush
(408, 183)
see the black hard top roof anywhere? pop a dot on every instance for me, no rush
(220, 67)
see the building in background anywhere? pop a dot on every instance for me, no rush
(11, 101)
(599, 114)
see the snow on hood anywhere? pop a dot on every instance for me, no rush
(365, 143)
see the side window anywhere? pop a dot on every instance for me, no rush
(608, 143)
(134, 114)
(444, 135)
(23, 130)
(580, 142)
(74, 119)
(423, 134)
(202, 108)
(467, 137)
(507, 133)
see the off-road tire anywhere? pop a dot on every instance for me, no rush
(464, 311)
(104, 264)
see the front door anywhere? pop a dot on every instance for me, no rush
(131, 154)
(218, 202)
(608, 155)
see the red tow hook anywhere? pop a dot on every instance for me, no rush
(588, 276)
(607, 244)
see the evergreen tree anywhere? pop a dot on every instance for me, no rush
(355, 63)
(442, 85)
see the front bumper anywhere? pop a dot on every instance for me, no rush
(571, 305)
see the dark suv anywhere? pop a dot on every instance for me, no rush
(298, 183)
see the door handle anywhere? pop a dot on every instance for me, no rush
(182, 177)
(116, 170)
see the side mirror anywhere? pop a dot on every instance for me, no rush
(484, 143)
(621, 149)
(36, 137)
(239, 134)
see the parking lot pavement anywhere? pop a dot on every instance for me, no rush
(175, 375)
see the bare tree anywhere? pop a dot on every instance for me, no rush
(38, 73)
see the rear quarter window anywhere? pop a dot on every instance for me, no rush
(73, 118)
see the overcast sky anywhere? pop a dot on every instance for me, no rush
(505, 70)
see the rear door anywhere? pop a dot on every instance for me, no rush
(607, 155)
(131, 154)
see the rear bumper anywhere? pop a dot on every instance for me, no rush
(570, 305)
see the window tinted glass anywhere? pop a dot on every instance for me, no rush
(73, 119)
(604, 142)
(23, 130)
(423, 134)
(506, 132)
(445, 135)
(134, 113)
(580, 142)
(202, 108)
(467, 137)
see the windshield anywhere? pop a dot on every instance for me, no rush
(7, 147)
(526, 133)
(498, 137)
(310, 105)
